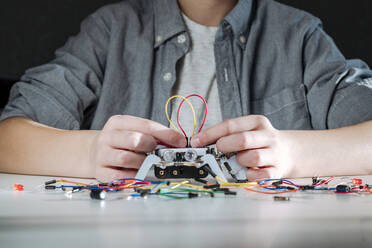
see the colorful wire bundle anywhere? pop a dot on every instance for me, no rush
(184, 190)
(127, 183)
(172, 190)
(281, 186)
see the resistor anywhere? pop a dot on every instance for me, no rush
(281, 198)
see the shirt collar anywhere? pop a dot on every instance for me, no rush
(239, 17)
(168, 20)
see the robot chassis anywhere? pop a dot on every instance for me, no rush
(192, 163)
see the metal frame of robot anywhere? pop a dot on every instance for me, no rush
(198, 157)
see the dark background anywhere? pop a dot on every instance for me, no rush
(31, 30)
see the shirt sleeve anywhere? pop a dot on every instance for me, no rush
(61, 93)
(339, 91)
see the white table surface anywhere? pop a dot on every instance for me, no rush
(34, 218)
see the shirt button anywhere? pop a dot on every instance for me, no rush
(159, 38)
(181, 38)
(225, 24)
(242, 39)
(167, 76)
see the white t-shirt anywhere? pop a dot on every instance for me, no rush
(197, 75)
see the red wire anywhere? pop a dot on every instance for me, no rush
(179, 108)
(270, 192)
(325, 182)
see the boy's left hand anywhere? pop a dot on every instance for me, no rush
(259, 146)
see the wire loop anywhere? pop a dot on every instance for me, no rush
(205, 115)
(192, 109)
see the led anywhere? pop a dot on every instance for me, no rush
(191, 155)
(18, 187)
(357, 181)
(168, 156)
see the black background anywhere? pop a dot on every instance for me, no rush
(31, 30)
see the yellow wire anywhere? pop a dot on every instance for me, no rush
(179, 184)
(153, 186)
(227, 184)
(191, 186)
(192, 109)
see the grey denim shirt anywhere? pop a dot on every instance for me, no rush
(271, 59)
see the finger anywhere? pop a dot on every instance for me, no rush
(256, 158)
(157, 130)
(122, 158)
(228, 127)
(262, 173)
(245, 140)
(134, 141)
(108, 174)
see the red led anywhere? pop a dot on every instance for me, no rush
(357, 181)
(18, 187)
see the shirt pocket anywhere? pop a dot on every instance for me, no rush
(287, 109)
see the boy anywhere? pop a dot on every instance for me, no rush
(281, 94)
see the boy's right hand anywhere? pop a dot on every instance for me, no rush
(119, 149)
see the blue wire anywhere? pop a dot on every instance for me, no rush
(278, 188)
(127, 179)
(138, 182)
(138, 194)
(284, 180)
(158, 184)
(280, 180)
(165, 193)
(325, 189)
(84, 187)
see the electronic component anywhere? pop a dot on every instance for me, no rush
(190, 163)
(186, 190)
(50, 182)
(196, 163)
(211, 186)
(226, 191)
(307, 187)
(143, 192)
(342, 188)
(98, 194)
(190, 155)
(18, 187)
(357, 181)
(192, 195)
(316, 180)
(281, 198)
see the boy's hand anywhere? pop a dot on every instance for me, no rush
(119, 149)
(259, 146)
